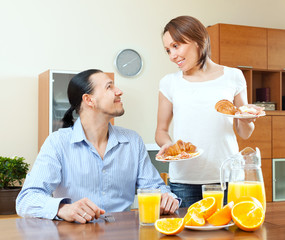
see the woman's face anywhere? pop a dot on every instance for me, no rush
(185, 55)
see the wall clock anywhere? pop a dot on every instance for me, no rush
(129, 63)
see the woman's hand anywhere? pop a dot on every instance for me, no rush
(259, 110)
(164, 147)
(244, 127)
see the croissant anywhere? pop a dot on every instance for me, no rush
(226, 107)
(180, 147)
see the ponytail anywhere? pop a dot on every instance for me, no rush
(68, 119)
(78, 85)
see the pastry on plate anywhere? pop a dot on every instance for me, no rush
(250, 110)
(226, 107)
(180, 147)
(179, 151)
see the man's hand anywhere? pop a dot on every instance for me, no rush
(168, 204)
(81, 211)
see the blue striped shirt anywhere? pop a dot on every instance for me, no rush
(69, 168)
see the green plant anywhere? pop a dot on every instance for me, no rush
(12, 170)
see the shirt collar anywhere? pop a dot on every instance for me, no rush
(78, 134)
(115, 136)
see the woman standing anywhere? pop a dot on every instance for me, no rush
(189, 97)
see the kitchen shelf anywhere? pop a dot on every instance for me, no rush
(263, 78)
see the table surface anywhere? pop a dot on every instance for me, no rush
(127, 227)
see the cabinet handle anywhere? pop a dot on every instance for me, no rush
(245, 66)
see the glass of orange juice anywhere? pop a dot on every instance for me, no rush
(149, 205)
(214, 190)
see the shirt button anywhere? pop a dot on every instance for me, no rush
(104, 171)
(103, 193)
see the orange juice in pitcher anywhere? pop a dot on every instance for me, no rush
(245, 189)
(245, 176)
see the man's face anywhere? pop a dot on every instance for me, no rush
(107, 97)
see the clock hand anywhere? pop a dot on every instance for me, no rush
(129, 62)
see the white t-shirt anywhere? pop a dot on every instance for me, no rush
(195, 120)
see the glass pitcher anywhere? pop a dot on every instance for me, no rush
(245, 176)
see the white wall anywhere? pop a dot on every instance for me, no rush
(37, 35)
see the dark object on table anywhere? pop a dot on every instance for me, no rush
(263, 94)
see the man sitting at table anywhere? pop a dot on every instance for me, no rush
(90, 166)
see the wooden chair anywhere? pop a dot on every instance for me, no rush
(164, 177)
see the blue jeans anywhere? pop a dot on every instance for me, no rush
(190, 193)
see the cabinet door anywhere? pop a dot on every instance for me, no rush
(278, 136)
(243, 46)
(266, 166)
(261, 137)
(276, 49)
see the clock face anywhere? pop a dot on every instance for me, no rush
(129, 63)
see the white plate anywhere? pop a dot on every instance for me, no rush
(209, 227)
(242, 116)
(200, 151)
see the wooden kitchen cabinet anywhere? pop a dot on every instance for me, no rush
(246, 46)
(283, 89)
(239, 46)
(261, 137)
(278, 138)
(276, 49)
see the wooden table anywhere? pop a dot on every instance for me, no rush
(127, 227)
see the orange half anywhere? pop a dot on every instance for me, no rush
(247, 198)
(248, 215)
(169, 226)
